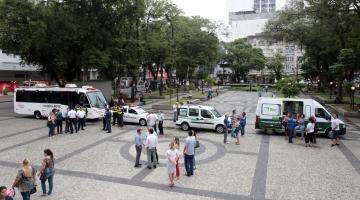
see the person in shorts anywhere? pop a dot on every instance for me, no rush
(335, 127)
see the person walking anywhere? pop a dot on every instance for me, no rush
(242, 123)
(300, 125)
(151, 144)
(107, 118)
(73, 121)
(171, 157)
(151, 120)
(51, 122)
(161, 122)
(226, 128)
(291, 123)
(120, 117)
(335, 127)
(47, 172)
(189, 149)
(138, 147)
(177, 147)
(4, 194)
(59, 121)
(310, 131)
(80, 114)
(25, 180)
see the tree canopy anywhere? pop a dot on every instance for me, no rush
(67, 38)
(242, 57)
(329, 31)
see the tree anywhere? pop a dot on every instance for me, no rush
(288, 87)
(242, 58)
(93, 34)
(323, 28)
(276, 65)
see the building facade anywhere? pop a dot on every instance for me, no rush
(270, 47)
(264, 6)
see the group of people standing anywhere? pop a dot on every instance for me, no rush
(234, 124)
(26, 178)
(75, 119)
(150, 142)
(293, 123)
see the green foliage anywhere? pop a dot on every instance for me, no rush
(242, 58)
(5, 91)
(116, 37)
(276, 65)
(210, 81)
(329, 31)
(288, 87)
(192, 86)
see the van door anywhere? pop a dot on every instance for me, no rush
(194, 117)
(207, 119)
(322, 119)
(270, 116)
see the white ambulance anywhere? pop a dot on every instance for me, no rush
(270, 113)
(200, 117)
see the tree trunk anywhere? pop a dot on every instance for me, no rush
(161, 80)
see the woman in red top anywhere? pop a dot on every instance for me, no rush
(177, 147)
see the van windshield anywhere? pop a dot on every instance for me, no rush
(216, 113)
(97, 99)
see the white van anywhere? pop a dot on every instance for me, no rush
(271, 111)
(200, 117)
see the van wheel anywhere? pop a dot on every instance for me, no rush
(185, 126)
(219, 129)
(142, 122)
(37, 115)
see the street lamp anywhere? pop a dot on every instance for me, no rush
(331, 88)
(353, 96)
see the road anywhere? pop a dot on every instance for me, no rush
(92, 164)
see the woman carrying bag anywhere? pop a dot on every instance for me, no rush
(25, 180)
(47, 172)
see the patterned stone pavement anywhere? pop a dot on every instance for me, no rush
(95, 165)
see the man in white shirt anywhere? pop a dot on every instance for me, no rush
(80, 114)
(335, 127)
(73, 121)
(151, 144)
(151, 120)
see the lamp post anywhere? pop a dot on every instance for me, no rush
(353, 97)
(331, 88)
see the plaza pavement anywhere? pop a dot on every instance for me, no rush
(95, 165)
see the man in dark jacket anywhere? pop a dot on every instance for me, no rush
(107, 117)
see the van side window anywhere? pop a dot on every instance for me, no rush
(270, 109)
(193, 112)
(321, 113)
(206, 114)
(183, 112)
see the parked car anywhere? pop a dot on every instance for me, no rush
(200, 117)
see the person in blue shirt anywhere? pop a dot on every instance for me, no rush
(242, 123)
(108, 120)
(138, 147)
(227, 124)
(291, 124)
